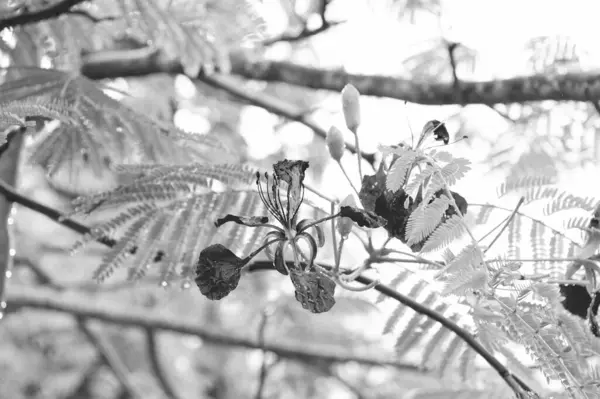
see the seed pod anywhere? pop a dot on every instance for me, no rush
(335, 143)
(351, 107)
(344, 224)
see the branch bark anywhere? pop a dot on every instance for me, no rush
(52, 10)
(20, 296)
(567, 87)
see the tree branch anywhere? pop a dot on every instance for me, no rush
(275, 106)
(516, 384)
(22, 15)
(567, 87)
(112, 358)
(155, 362)
(20, 296)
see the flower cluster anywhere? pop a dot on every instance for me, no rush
(218, 270)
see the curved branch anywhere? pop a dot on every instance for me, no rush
(111, 357)
(155, 363)
(567, 87)
(22, 16)
(21, 296)
(517, 385)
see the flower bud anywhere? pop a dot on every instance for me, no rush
(335, 143)
(344, 224)
(351, 107)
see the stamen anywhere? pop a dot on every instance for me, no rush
(264, 198)
(276, 210)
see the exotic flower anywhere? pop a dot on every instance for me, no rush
(218, 269)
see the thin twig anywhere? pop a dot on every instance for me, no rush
(274, 105)
(449, 324)
(262, 377)
(156, 364)
(509, 221)
(52, 10)
(110, 356)
(34, 297)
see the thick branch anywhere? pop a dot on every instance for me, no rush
(565, 87)
(33, 297)
(23, 17)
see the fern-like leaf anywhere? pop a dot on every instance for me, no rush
(425, 219)
(398, 172)
(452, 229)
(519, 183)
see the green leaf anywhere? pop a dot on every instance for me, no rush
(313, 290)
(218, 271)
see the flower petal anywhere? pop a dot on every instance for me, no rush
(218, 271)
(320, 235)
(279, 260)
(313, 290)
(250, 221)
(270, 236)
(292, 172)
(312, 245)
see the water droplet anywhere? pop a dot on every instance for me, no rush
(1, 315)
(164, 284)
(10, 221)
(2, 305)
(13, 210)
(12, 252)
(8, 274)
(186, 285)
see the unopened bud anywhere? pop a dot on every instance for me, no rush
(344, 224)
(335, 143)
(351, 107)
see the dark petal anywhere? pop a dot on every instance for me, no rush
(313, 290)
(312, 246)
(362, 217)
(279, 260)
(318, 229)
(218, 271)
(271, 235)
(290, 171)
(439, 131)
(250, 221)
(460, 201)
(372, 187)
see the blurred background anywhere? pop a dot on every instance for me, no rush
(45, 354)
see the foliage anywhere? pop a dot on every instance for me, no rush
(181, 216)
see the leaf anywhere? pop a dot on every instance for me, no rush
(218, 271)
(399, 170)
(313, 290)
(372, 188)
(440, 133)
(362, 217)
(250, 221)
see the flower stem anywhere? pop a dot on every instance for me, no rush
(348, 177)
(313, 223)
(257, 251)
